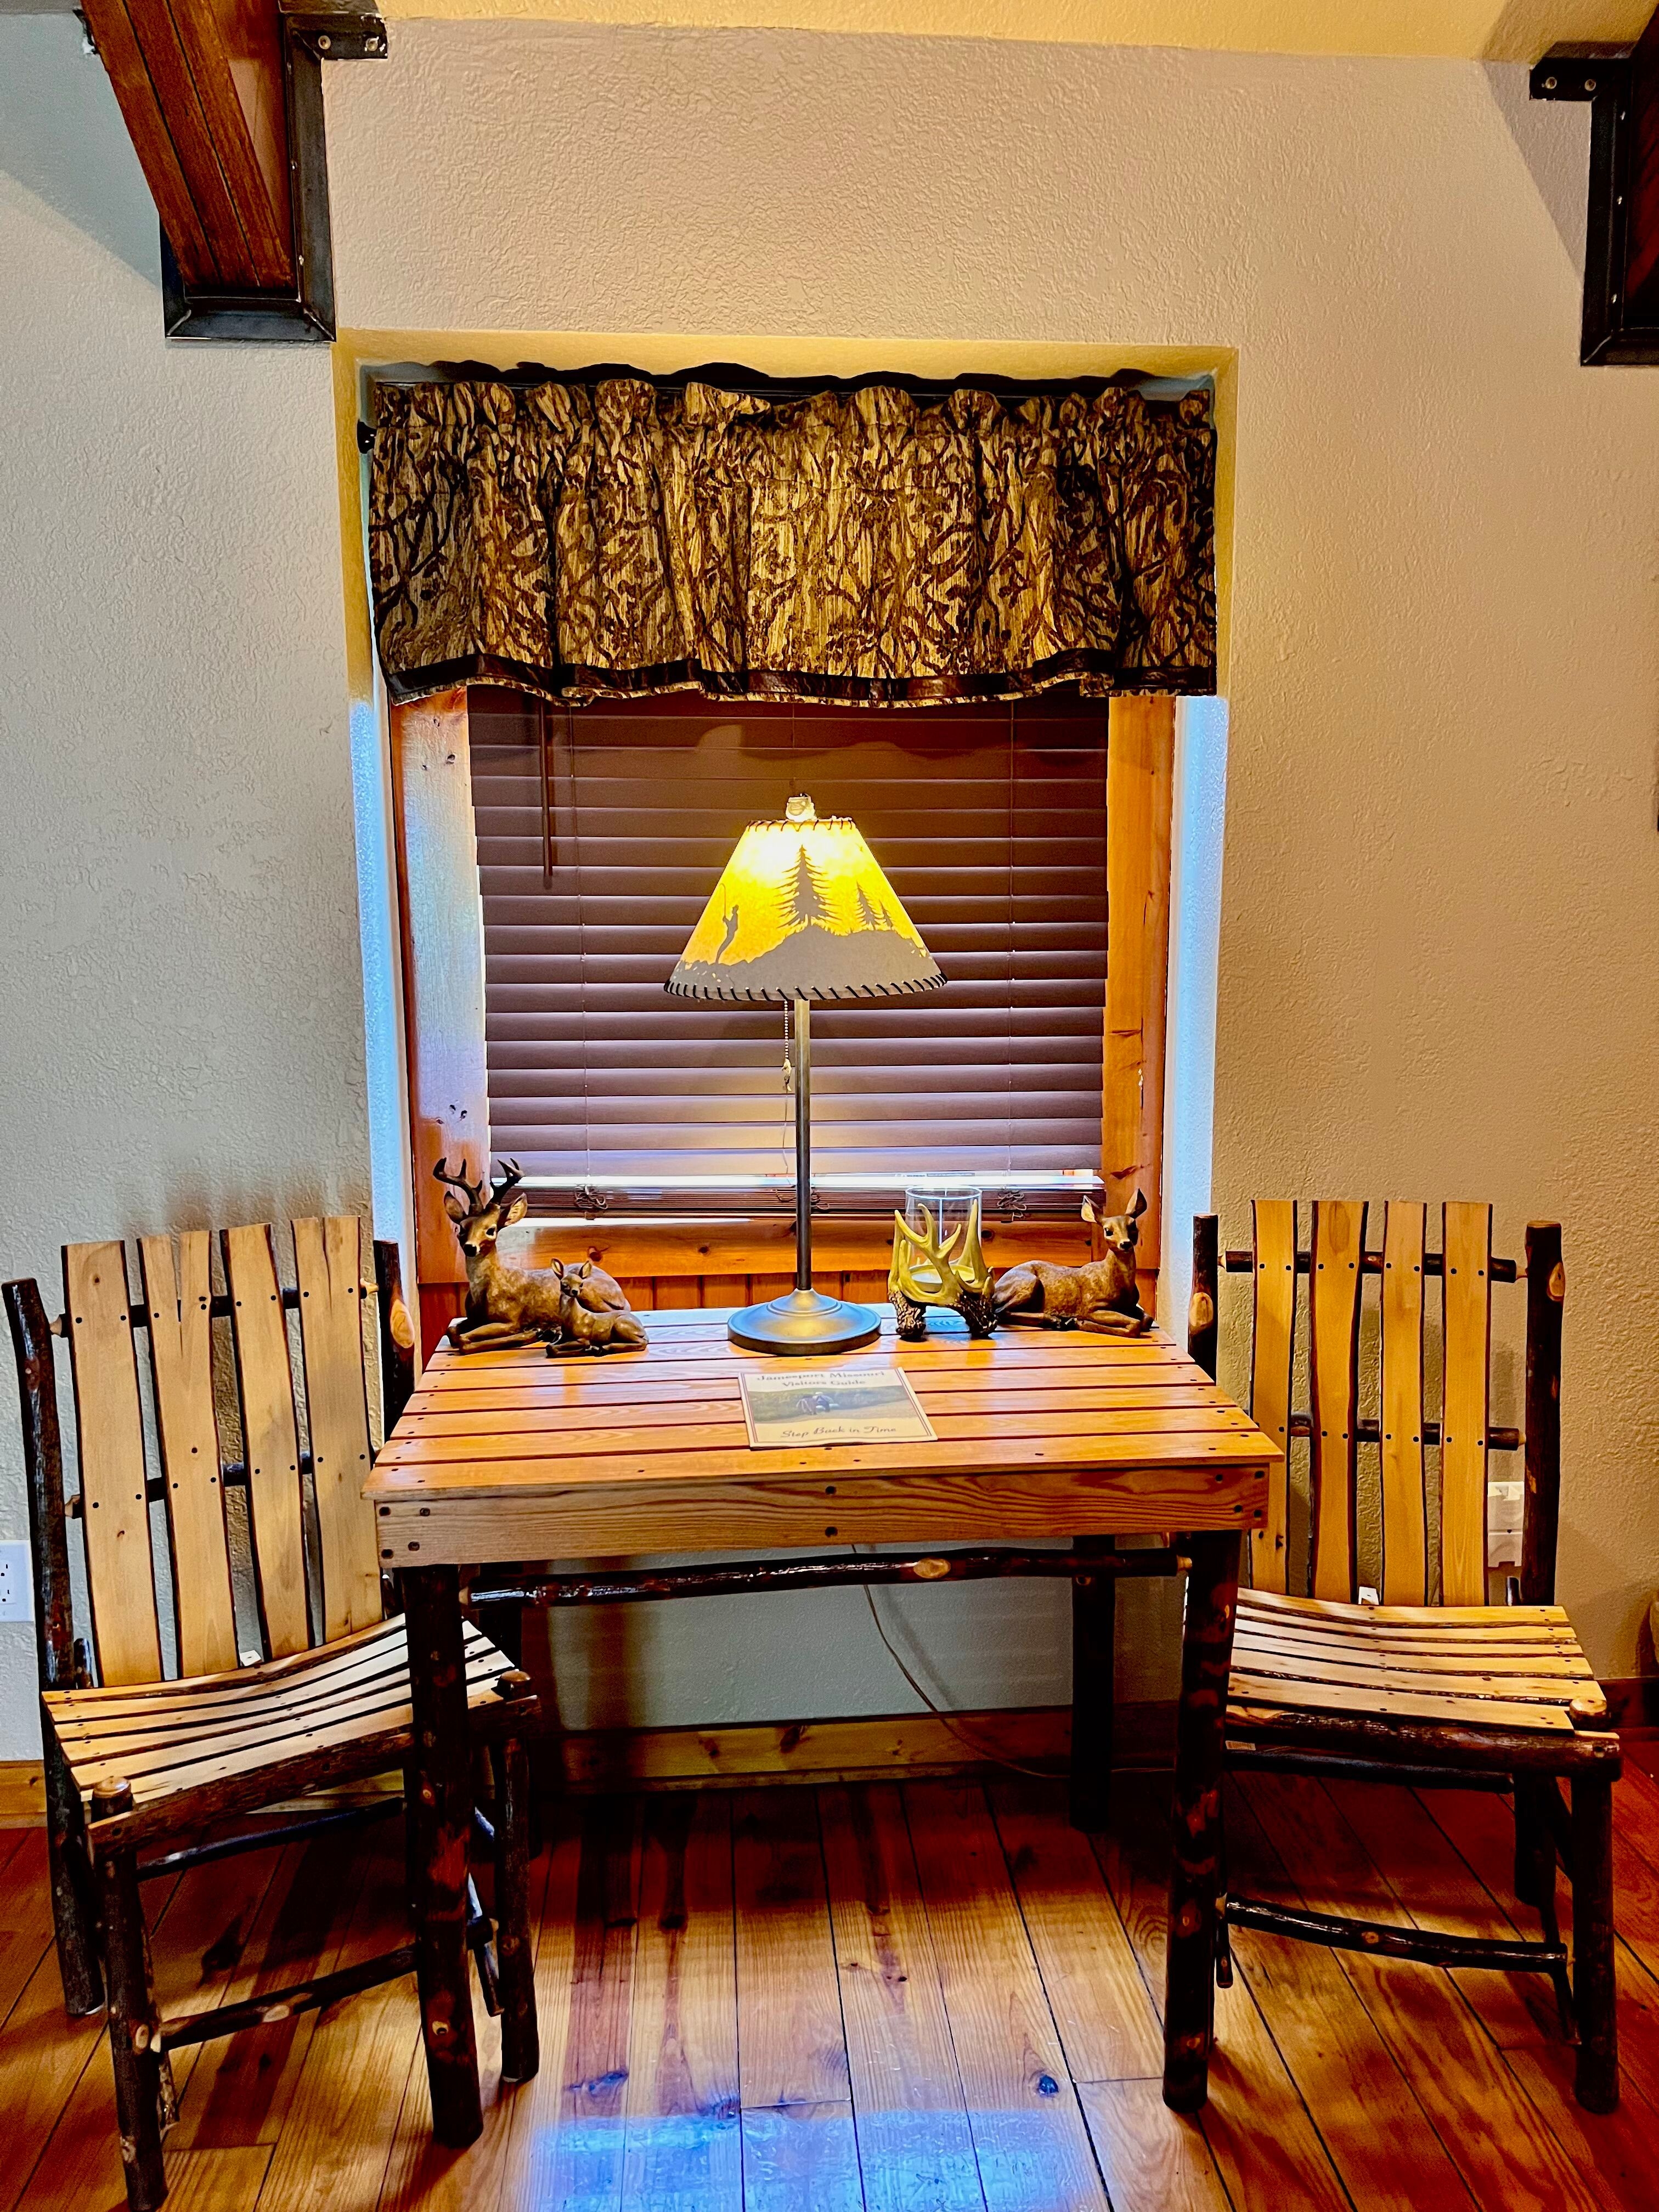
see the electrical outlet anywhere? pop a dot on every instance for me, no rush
(16, 1583)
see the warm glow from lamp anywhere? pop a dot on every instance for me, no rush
(803, 910)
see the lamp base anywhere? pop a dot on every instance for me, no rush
(803, 1323)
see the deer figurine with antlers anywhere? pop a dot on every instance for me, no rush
(575, 1309)
(928, 1270)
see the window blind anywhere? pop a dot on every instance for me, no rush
(601, 834)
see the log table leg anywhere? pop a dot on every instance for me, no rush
(441, 1806)
(1195, 1874)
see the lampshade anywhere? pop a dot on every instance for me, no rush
(803, 911)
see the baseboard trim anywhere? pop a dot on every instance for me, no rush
(886, 1746)
(23, 1794)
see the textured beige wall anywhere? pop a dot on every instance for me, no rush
(1438, 927)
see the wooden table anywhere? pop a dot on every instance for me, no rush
(515, 1457)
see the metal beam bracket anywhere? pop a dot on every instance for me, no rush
(1621, 298)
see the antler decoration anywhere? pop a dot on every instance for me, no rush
(929, 1271)
(471, 1192)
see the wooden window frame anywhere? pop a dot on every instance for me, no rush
(727, 1260)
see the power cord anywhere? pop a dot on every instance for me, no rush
(980, 1750)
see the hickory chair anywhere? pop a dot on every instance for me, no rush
(138, 1760)
(1408, 1685)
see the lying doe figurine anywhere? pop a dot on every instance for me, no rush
(1101, 1295)
(580, 1308)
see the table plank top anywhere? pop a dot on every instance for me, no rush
(600, 1447)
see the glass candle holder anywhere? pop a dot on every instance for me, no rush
(946, 1202)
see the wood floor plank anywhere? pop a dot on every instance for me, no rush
(682, 2147)
(1266, 2145)
(588, 2142)
(1452, 2065)
(1154, 2160)
(801, 2158)
(1030, 2140)
(1383, 2146)
(338, 2132)
(916, 2146)
(79, 2169)
(1617, 2153)
(790, 2044)
(798, 2141)
(216, 2180)
(1107, 2027)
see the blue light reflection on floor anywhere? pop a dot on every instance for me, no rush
(923, 2161)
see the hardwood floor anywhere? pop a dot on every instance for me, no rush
(907, 1999)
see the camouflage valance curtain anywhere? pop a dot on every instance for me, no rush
(869, 543)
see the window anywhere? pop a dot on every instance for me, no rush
(600, 835)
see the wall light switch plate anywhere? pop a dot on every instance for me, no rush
(16, 1583)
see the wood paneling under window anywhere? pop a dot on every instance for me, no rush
(991, 824)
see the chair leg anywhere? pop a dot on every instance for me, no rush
(144, 2102)
(1535, 1842)
(74, 1891)
(1595, 1982)
(515, 1956)
(1094, 1622)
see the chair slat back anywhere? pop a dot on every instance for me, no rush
(1406, 1427)
(328, 1263)
(1468, 1291)
(1272, 1348)
(271, 1441)
(1405, 1497)
(1338, 1239)
(177, 1299)
(120, 1570)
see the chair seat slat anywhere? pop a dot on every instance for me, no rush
(120, 1568)
(1251, 1691)
(177, 1299)
(1496, 1616)
(1547, 1660)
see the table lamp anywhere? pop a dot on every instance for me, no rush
(803, 912)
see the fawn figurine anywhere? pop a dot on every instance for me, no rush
(580, 1308)
(1101, 1295)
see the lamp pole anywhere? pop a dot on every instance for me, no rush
(803, 1062)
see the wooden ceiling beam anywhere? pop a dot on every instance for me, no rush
(222, 99)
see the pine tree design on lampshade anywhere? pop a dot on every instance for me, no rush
(803, 910)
